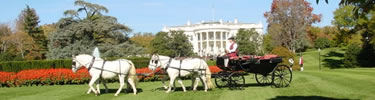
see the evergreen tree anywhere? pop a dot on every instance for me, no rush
(30, 20)
(248, 41)
(76, 35)
(174, 44)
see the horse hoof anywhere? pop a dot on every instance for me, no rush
(116, 95)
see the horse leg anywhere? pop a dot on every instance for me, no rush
(171, 82)
(89, 91)
(192, 83)
(91, 83)
(97, 86)
(163, 81)
(105, 85)
(196, 83)
(122, 83)
(132, 84)
(182, 85)
(204, 80)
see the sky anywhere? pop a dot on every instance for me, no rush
(153, 15)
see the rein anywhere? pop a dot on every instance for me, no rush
(92, 63)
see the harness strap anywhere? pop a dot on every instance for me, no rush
(179, 70)
(101, 71)
(168, 64)
(119, 63)
(92, 63)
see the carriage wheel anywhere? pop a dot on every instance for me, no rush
(282, 76)
(264, 79)
(236, 81)
(222, 80)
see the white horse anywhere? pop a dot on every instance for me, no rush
(99, 68)
(176, 68)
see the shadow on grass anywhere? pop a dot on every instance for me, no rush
(334, 54)
(305, 98)
(201, 88)
(333, 63)
(113, 91)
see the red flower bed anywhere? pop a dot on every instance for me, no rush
(66, 76)
(43, 77)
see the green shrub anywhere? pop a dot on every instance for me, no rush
(286, 55)
(16, 66)
(351, 56)
(211, 62)
(322, 43)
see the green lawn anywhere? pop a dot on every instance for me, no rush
(312, 83)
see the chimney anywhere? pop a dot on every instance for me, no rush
(188, 23)
(236, 21)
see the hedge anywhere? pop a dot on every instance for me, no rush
(16, 66)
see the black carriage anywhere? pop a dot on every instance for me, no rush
(266, 69)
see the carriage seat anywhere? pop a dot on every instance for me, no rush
(269, 56)
(234, 58)
(247, 57)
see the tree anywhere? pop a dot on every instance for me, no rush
(144, 40)
(364, 16)
(322, 43)
(174, 43)
(351, 56)
(180, 44)
(30, 20)
(77, 35)
(249, 42)
(288, 21)
(48, 28)
(267, 46)
(5, 31)
(24, 44)
(363, 7)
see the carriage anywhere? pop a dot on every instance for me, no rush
(266, 69)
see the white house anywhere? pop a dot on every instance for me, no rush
(210, 38)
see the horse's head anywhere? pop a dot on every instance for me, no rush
(79, 61)
(154, 62)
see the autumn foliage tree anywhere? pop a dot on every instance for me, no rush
(288, 22)
(144, 40)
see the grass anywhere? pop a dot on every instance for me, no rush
(312, 83)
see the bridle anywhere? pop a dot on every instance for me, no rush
(89, 67)
(158, 60)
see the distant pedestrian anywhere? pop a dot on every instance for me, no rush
(301, 62)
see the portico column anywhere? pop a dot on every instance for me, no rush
(207, 38)
(221, 40)
(215, 51)
(201, 44)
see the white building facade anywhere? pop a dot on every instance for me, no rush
(211, 38)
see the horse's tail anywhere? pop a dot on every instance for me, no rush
(208, 77)
(132, 72)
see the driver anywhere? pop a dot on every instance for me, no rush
(231, 50)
